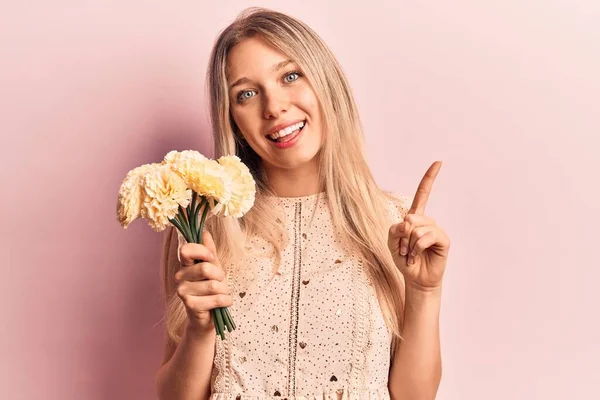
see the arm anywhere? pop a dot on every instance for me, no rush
(186, 374)
(187, 367)
(419, 248)
(416, 369)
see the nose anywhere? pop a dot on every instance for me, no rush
(276, 102)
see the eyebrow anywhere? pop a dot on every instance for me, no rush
(274, 68)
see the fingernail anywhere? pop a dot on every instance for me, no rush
(410, 260)
(403, 250)
(413, 253)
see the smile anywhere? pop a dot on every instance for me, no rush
(285, 134)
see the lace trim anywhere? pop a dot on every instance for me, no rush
(221, 372)
(381, 393)
(295, 301)
(362, 324)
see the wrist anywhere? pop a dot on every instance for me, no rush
(195, 333)
(418, 291)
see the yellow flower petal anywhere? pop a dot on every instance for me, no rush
(129, 198)
(243, 189)
(164, 192)
(204, 176)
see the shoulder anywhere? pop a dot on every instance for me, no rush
(397, 204)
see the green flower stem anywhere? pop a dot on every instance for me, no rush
(217, 312)
(217, 327)
(185, 230)
(195, 218)
(221, 316)
(229, 317)
(192, 204)
(183, 214)
(203, 220)
(177, 225)
(187, 224)
(192, 215)
(190, 209)
(224, 326)
(225, 319)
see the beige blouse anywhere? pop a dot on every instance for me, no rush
(315, 330)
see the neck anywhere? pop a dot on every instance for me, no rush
(294, 182)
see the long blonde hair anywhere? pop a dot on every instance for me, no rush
(344, 174)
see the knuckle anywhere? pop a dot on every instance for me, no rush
(178, 276)
(195, 272)
(222, 274)
(222, 300)
(212, 286)
(204, 270)
(184, 251)
(181, 290)
(188, 303)
(206, 253)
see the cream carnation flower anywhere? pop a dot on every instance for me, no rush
(243, 188)
(129, 200)
(164, 192)
(202, 175)
(176, 157)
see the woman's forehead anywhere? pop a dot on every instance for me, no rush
(254, 58)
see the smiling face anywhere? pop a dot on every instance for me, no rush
(268, 92)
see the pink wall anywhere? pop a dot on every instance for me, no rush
(505, 93)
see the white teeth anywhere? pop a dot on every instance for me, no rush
(287, 131)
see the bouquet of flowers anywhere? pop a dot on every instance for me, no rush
(177, 189)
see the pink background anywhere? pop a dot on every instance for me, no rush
(504, 93)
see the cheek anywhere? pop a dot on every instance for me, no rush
(308, 101)
(242, 120)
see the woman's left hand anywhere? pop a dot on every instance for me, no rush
(419, 247)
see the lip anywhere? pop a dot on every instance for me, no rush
(279, 127)
(291, 143)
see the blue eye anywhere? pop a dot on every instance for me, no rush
(292, 74)
(247, 94)
(243, 95)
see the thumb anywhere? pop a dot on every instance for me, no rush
(208, 241)
(394, 236)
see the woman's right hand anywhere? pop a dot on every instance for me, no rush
(201, 285)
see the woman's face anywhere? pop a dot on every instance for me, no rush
(269, 94)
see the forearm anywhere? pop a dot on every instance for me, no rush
(417, 365)
(187, 374)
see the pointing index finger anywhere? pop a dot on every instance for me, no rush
(422, 195)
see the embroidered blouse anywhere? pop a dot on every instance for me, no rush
(315, 329)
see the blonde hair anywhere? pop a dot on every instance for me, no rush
(344, 174)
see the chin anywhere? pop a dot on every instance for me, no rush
(301, 160)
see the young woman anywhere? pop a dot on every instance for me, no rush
(334, 284)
